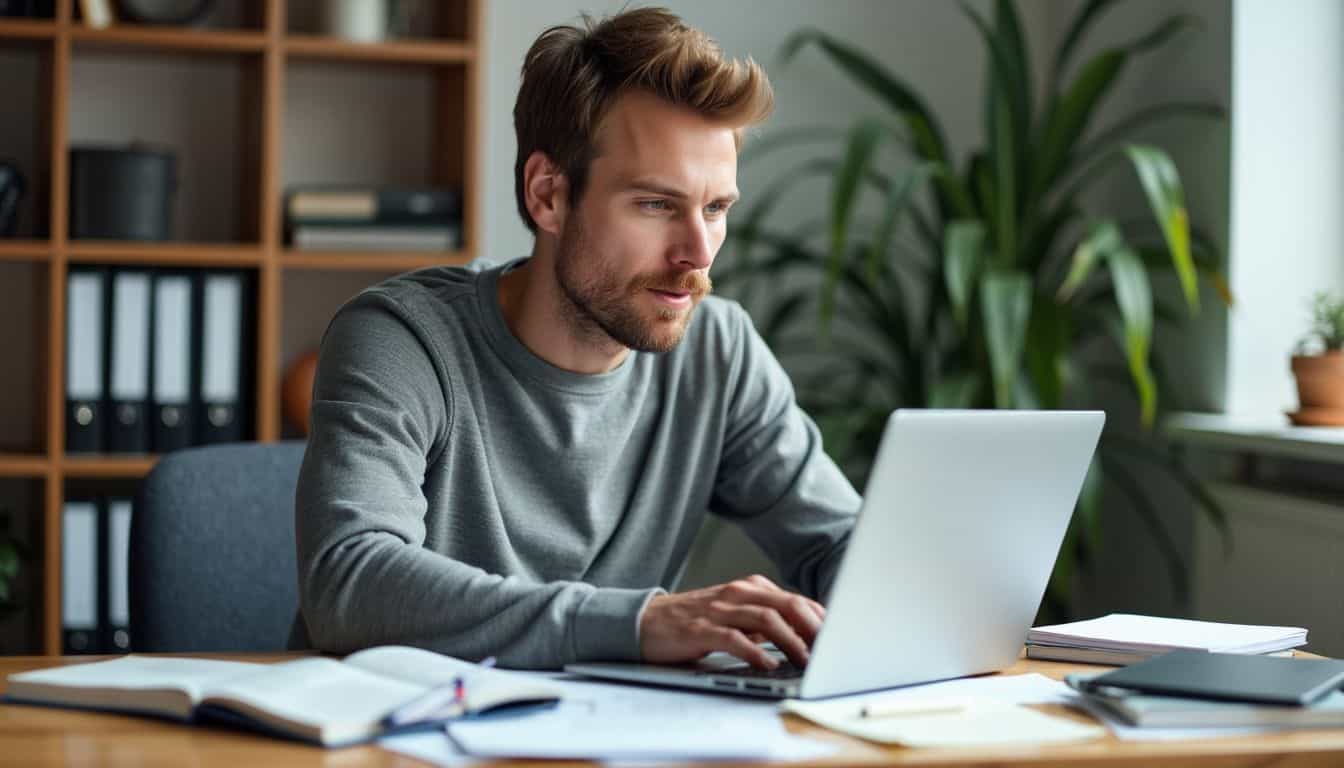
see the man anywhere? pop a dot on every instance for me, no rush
(514, 462)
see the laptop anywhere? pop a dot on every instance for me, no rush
(962, 520)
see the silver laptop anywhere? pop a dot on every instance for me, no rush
(962, 519)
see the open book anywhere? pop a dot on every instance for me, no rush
(318, 700)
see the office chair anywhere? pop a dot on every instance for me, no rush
(212, 555)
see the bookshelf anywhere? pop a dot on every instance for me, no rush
(259, 54)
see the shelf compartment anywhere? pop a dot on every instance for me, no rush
(165, 254)
(392, 52)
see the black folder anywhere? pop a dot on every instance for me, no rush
(1228, 676)
(115, 619)
(173, 320)
(224, 349)
(128, 362)
(85, 359)
(81, 590)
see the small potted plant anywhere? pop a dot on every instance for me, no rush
(1318, 364)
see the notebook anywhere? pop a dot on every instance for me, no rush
(1227, 676)
(315, 699)
(1147, 711)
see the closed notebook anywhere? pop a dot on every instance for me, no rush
(1227, 676)
(318, 700)
(1150, 711)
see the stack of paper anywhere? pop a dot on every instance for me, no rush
(1122, 638)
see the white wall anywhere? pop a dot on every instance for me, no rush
(1287, 188)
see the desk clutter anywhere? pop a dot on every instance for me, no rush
(451, 712)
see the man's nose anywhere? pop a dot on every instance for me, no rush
(696, 249)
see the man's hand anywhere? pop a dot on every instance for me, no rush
(730, 617)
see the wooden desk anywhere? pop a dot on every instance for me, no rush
(39, 736)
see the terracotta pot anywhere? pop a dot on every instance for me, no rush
(1320, 380)
(297, 390)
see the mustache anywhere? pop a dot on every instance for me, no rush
(697, 284)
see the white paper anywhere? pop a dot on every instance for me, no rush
(1030, 688)
(1122, 631)
(602, 721)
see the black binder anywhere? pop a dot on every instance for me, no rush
(128, 362)
(173, 320)
(116, 617)
(85, 358)
(225, 335)
(81, 593)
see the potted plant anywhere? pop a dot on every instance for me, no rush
(988, 282)
(1318, 364)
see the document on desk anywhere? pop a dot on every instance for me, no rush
(604, 721)
(958, 713)
(1126, 732)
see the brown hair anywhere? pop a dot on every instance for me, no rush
(571, 77)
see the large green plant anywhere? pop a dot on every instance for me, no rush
(988, 284)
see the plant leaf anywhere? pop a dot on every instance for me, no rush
(955, 390)
(1049, 335)
(898, 202)
(1107, 137)
(1162, 185)
(1005, 301)
(961, 264)
(1074, 36)
(925, 131)
(1066, 121)
(862, 145)
(1134, 296)
(1134, 491)
(1104, 238)
(765, 146)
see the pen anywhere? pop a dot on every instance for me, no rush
(907, 710)
(445, 701)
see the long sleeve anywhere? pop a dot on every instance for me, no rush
(775, 480)
(382, 414)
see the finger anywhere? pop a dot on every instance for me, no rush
(764, 621)
(793, 607)
(721, 638)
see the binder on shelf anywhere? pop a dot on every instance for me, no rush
(79, 576)
(117, 627)
(222, 416)
(127, 417)
(171, 361)
(85, 321)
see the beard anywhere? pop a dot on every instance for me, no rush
(601, 303)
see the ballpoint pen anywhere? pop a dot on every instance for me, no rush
(442, 702)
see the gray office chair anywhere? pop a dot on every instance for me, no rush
(212, 559)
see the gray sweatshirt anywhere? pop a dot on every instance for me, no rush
(461, 494)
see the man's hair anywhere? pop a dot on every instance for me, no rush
(572, 75)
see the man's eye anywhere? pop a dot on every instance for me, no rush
(653, 205)
(716, 209)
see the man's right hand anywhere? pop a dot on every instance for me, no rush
(730, 617)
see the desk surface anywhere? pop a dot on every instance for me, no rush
(39, 736)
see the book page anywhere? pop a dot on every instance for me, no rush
(484, 687)
(131, 683)
(317, 699)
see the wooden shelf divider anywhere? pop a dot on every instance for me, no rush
(28, 29)
(394, 52)
(394, 261)
(166, 254)
(183, 39)
(107, 465)
(25, 250)
(24, 465)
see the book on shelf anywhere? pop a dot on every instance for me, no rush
(375, 238)
(366, 205)
(1120, 638)
(1152, 711)
(313, 699)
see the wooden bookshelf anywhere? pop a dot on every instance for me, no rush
(264, 47)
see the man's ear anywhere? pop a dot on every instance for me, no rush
(546, 192)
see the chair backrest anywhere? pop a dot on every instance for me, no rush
(212, 556)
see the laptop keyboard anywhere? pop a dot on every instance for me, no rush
(785, 671)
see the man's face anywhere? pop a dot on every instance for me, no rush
(634, 254)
